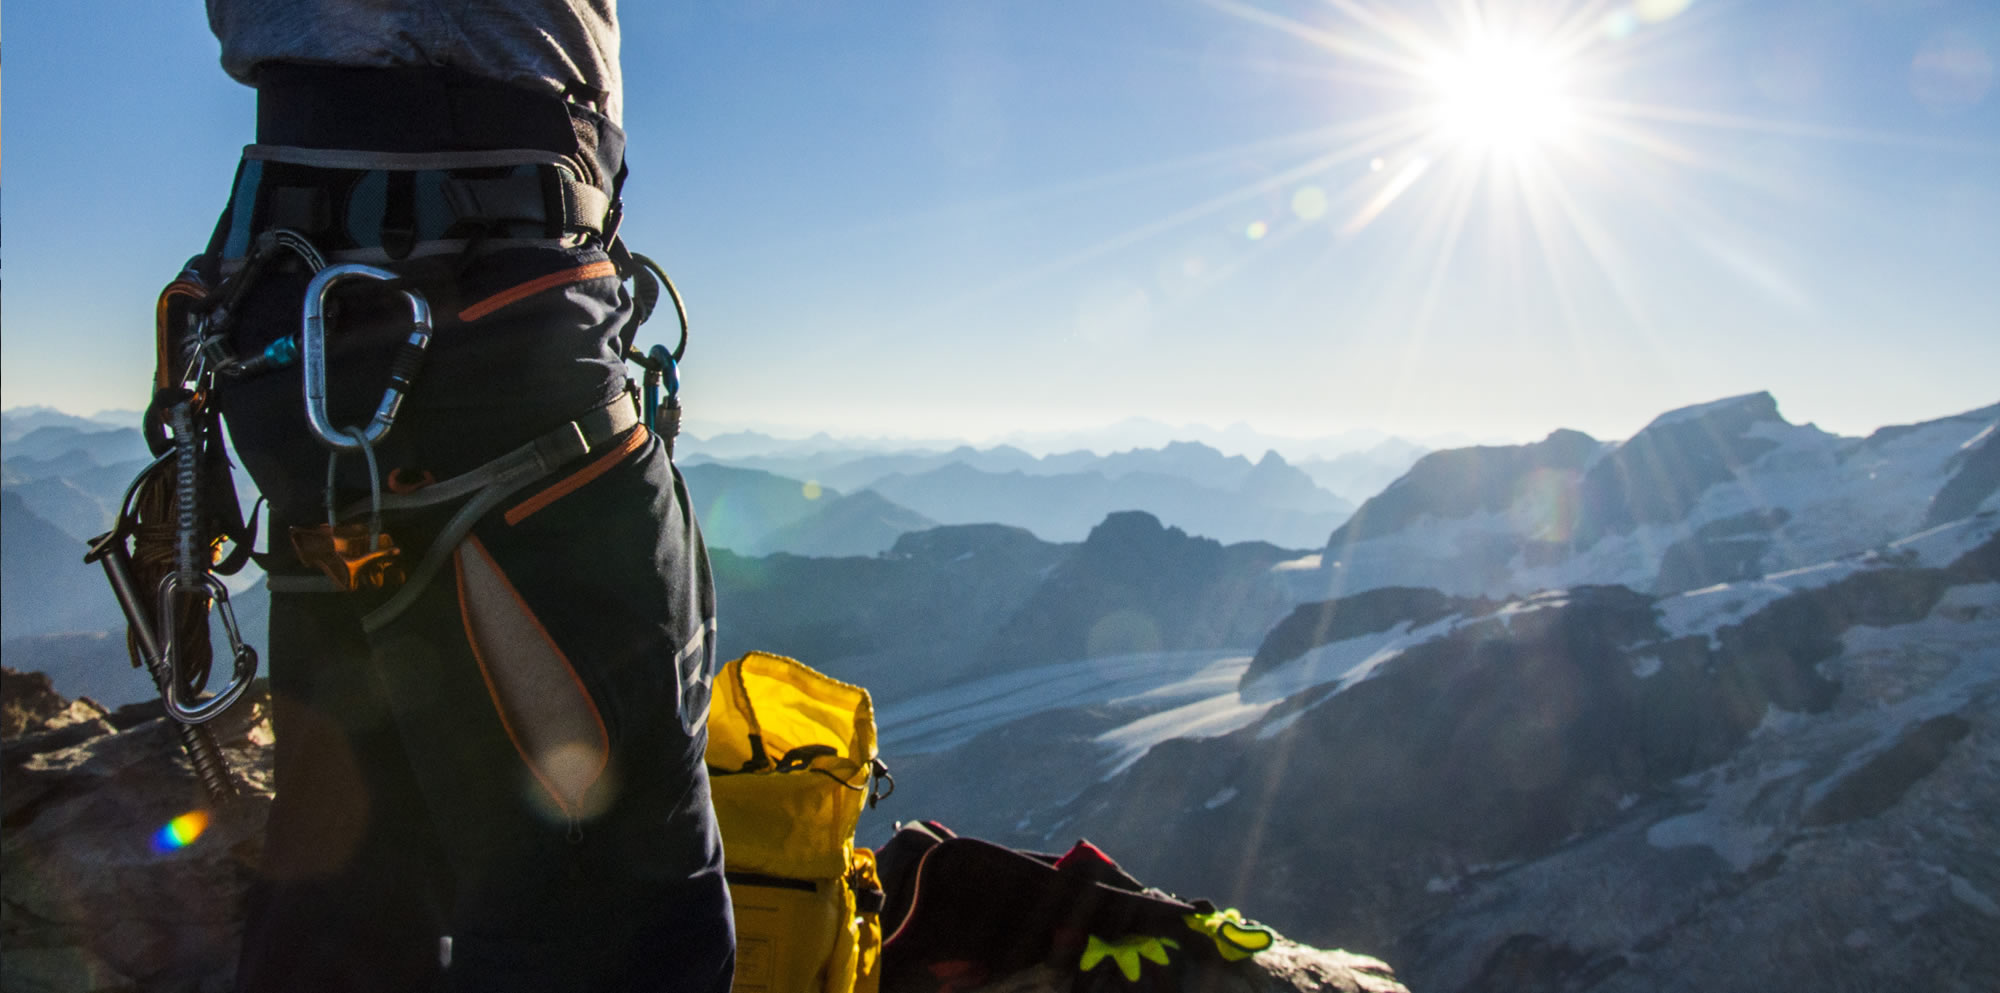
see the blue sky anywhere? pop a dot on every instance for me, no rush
(971, 219)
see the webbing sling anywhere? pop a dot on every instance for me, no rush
(483, 489)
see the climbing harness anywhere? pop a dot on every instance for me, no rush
(162, 557)
(352, 548)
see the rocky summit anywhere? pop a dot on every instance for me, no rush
(118, 877)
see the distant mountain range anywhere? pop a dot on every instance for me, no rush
(1125, 435)
(1352, 467)
(1716, 706)
(16, 422)
(1057, 497)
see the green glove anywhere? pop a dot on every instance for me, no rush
(1127, 952)
(1236, 938)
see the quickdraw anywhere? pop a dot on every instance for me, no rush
(661, 415)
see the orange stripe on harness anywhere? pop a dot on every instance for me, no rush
(633, 439)
(582, 273)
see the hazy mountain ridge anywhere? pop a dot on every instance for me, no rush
(17, 422)
(964, 602)
(1712, 493)
(1134, 433)
(47, 587)
(1135, 586)
(1062, 496)
(1065, 506)
(917, 617)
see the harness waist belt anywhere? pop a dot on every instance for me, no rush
(428, 109)
(345, 200)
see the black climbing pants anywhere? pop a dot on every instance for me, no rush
(502, 788)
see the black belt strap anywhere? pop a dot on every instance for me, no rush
(427, 109)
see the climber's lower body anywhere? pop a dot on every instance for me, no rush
(489, 773)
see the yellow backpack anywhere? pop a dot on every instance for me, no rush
(790, 755)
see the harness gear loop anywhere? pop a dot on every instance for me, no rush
(402, 370)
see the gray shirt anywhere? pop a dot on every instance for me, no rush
(569, 47)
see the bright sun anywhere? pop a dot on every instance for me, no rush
(1502, 96)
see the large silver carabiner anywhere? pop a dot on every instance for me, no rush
(312, 349)
(243, 657)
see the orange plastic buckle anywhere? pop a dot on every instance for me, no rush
(345, 554)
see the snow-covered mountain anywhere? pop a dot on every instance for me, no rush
(1757, 785)
(1712, 493)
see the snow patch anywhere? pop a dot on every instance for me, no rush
(1704, 611)
(1970, 602)
(1971, 896)
(1737, 844)
(1309, 563)
(1685, 414)
(1644, 666)
(1275, 728)
(1206, 718)
(1345, 662)
(1540, 601)
(1942, 545)
(1781, 722)
(949, 717)
(1222, 796)
(1983, 434)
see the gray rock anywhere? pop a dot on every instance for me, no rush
(93, 904)
(92, 900)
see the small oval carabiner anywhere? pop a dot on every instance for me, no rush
(244, 661)
(312, 353)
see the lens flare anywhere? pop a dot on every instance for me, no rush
(1256, 231)
(181, 831)
(1309, 203)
